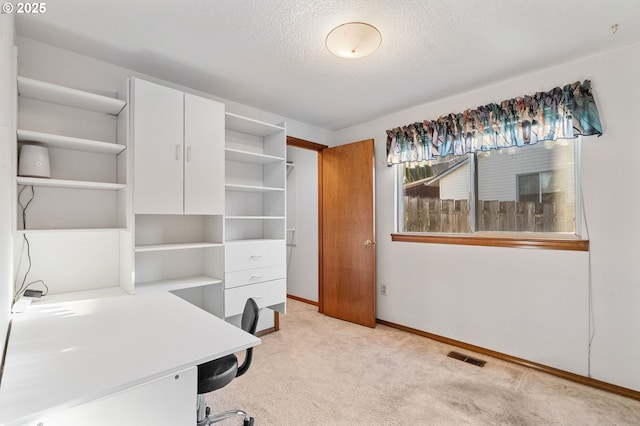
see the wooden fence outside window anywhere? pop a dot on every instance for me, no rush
(453, 216)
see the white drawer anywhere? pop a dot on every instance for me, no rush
(253, 276)
(254, 254)
(266, 294)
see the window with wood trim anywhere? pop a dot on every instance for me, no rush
(529, 189)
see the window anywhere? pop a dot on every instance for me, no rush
(541, 187)
(436, 196)
(528, 189)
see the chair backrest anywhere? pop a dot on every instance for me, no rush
(249, 324)
(250, 316)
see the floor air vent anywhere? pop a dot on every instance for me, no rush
(468, 359)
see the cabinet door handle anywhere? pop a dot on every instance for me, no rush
(178, 152)
(189, 153)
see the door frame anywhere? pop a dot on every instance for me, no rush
(313, 146)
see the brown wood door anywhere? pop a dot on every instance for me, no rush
(348, 287)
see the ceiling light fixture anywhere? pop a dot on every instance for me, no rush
(353, 40)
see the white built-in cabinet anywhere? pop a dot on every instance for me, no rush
(73, 230)
(255, 214)
(178, 151)
(152, 189)
(178, 145)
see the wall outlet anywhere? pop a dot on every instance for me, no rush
(383, 289)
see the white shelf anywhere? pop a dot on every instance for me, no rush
(67, 142)
(70, 97)
(253, 240)
(253, 217)
(176, 284)
(252, 188)
(250, 157)
(250, 126)
(177, 246)
(76, 184)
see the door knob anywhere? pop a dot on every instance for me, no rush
(368, 243)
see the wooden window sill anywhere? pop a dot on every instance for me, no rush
(512, 241)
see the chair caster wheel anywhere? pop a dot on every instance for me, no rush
(248, 422)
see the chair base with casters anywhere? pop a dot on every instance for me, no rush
(218, 373)
(204, 417)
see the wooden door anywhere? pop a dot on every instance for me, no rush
(158, 148)
(348, 244)
(203, 156)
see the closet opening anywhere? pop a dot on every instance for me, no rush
(304, 220)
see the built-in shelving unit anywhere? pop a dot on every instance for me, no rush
(255, 213)
(206, 221)
(75, 225)
(178, 141)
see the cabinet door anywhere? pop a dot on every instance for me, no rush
(204, 156)
(158, 148)
(169, 400)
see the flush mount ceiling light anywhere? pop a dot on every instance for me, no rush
(353, 40)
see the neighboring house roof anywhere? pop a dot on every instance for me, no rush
(430, 187)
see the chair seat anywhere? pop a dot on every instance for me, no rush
(217, 373)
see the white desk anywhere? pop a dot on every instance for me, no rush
(62, 355)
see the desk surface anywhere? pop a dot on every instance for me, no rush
(64, 354)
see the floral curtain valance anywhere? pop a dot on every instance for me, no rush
(560, 113)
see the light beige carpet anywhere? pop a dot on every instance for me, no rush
(321, 371)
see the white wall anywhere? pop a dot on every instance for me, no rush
(7, 138)
(302, 217)
(532, 304)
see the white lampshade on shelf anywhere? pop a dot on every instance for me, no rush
(353, 40)
(34, 161)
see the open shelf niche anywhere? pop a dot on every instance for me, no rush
(85, 137)
(175, 252)
(255, 180)
(75, 224)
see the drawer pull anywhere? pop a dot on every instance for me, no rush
(255, 256)
(256, 277)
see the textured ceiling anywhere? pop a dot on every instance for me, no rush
(270, 54)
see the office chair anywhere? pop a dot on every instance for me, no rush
(218, 373)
